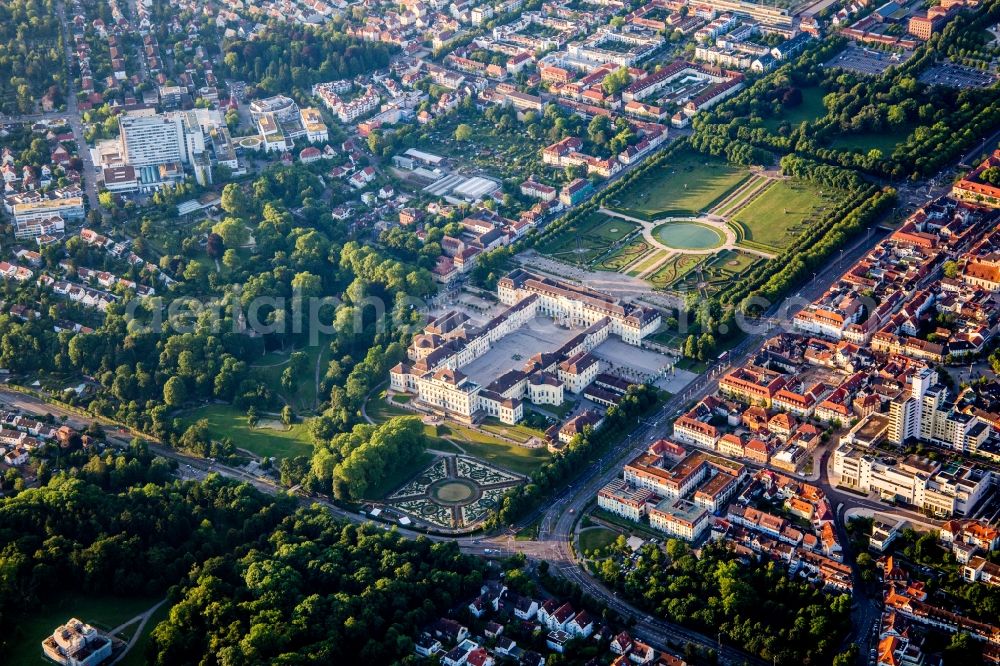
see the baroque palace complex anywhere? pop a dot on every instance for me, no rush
(451, 342)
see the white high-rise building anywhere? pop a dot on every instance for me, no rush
(152, 139)
(906, 411)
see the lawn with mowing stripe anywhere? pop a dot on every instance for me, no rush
(519, 459)
(777, 216)
(685, 185)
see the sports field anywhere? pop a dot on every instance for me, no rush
(781, 212)
(686, 185)
(586, 240)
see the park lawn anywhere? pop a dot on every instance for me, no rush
(646, 263)
(865, 141)
(667, 336)
(726, 208)
(443, 445)
(530, 532)
(729, 264)
(137, 655)
(641, 530)
(778, 215)
(596, 539)
(22, 643)
(379, 409)
(518, 459)
(809, 110)
(559, 411)
(227, 421)
(393, 481)
(686, 185)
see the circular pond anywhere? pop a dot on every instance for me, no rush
(688, 236)
(453, 491)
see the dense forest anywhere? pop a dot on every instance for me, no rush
(290, 56)
(756, 607)
(254, 579)
(317, 592)
(120, 523)
(31, 55)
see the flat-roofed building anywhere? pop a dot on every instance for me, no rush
(624, 500)
(679, 517)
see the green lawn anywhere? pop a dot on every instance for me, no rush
(227, 421)
(380, 410)
(587, 239)
(865, 141)
(519, 459)
(521, 433)
(809, 110)
(137, 655)
(559, 411)
(596, 539)
(23, 639)
(686, 185)
(777, 216)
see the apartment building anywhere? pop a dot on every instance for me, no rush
(622, 499)
(925, 412)
(679, 517)
(648, 471)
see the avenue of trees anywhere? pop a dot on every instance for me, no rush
(937, 124)
(579, 453)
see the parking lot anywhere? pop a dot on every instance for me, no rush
(858, 59)
(957, 76)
